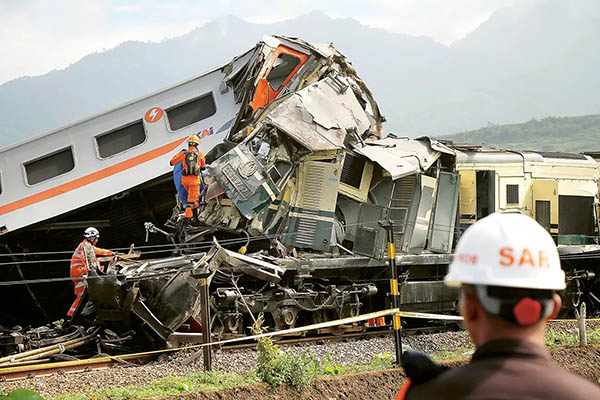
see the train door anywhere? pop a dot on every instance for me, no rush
(467, 198)
(486, 193)
(444, 217)
(419, 215)
(545, 204)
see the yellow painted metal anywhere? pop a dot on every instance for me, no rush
(546, 190)
(468, 194)
(362, 192)
(396, 322)
(391, 251)
(394, 287)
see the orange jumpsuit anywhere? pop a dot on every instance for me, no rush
(82, 260)
(191, 183)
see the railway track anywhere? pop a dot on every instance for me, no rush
(45, 367)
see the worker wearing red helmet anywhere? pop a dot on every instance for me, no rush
(193, 162)
(83, 260)
(508, 271)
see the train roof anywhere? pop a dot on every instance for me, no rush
(473, 153)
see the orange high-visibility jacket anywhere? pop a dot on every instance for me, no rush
(180, 157)
(82, 260)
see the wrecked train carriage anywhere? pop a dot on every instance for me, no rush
(132, 306)
(315, 197)
(111, 170)
(321, 213)
(558, 190)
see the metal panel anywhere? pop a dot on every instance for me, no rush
(417, 225)
(370, 237)
(576, 215)
(244, 180)
(400, 157)
(444, 218)
(542, 213)
(402, 196)
(437, 296)
(545, 191)
(320, 115)
(311, 221)
(367, 240)
(468, 197)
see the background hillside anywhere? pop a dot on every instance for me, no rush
(520, 64)
(573, 134)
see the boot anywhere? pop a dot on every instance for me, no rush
(188, 212)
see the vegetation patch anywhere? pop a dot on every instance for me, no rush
(573, 134)
(555, 338)
(276, 367)
(197, 382)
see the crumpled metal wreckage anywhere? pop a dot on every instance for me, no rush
(304, 179)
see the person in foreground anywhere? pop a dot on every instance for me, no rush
(508, 271)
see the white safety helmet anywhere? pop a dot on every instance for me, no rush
(509, 250)
(91, 232)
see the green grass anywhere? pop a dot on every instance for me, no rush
(554, 338)
(310, 368)
(169, 386)
(277, 367)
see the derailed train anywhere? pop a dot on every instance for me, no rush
(299, 183)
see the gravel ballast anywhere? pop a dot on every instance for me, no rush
(351, 352)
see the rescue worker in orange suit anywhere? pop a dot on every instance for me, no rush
(83, 260)
(509, 272)
(193, 163)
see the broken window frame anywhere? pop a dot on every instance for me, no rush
(360, 193)
(274, 57)
(288, 63)
(282, 177)
(257, 99)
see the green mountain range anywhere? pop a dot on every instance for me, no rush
(571, 134)
(529, 61)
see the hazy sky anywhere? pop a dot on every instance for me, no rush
(37, 36)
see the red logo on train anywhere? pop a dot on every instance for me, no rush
(153, 114)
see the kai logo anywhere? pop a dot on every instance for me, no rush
(206, 132)
(153, 115)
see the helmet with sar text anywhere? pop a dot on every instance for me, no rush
(193, 141)
(514, 265)
(91, 233)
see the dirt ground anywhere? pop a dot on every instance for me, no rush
(382, 384)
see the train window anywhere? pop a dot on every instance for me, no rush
(278, 171)
(352, 170)
(282, 68)
(49, 166)
(191, 112)
(114, 142)
(512, 194)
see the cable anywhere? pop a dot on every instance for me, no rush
(189, 246)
